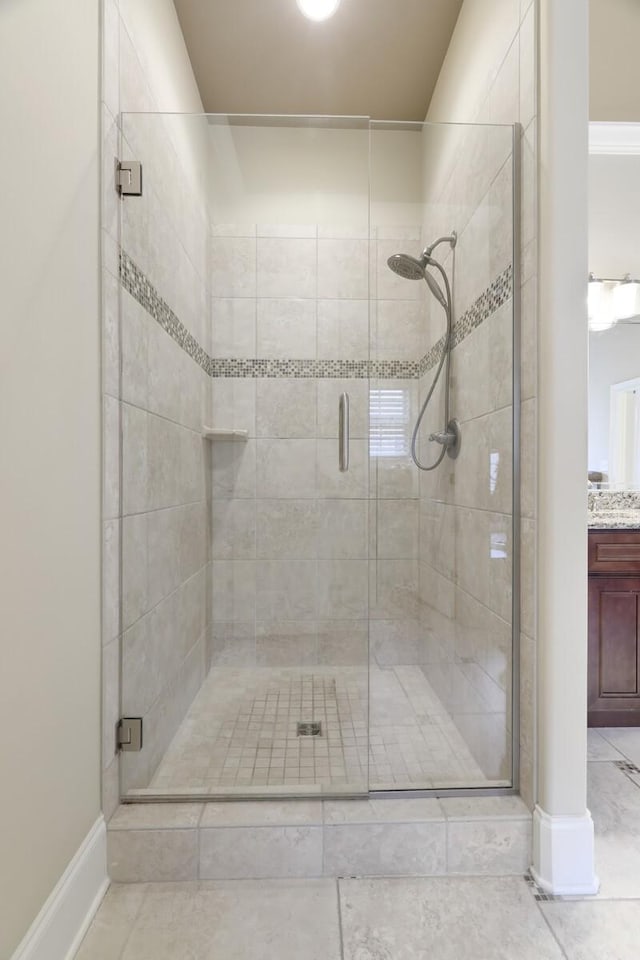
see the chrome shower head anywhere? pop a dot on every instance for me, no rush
(409, 268)
(406, 267)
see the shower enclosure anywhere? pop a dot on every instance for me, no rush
(304, 611)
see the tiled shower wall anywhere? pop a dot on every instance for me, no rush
(291, 535)
(400, 311)
(466, 504)
(155, 396)
(496, 85)
(515, 74)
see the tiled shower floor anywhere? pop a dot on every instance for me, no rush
(240, 735)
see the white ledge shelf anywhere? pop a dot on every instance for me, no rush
(215, 433)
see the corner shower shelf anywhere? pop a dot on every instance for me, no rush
(214, 433)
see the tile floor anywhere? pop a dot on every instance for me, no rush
(443, 918)
(614, 801)
(357, 919)
(239, 735)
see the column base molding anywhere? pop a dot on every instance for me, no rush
(563, 854)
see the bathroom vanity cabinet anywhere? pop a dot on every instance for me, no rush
(614, 628)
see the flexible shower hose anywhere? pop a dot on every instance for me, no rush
(445, 358)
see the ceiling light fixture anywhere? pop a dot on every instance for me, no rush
(626, 299)
(612, 300)
(318, 9)
(599, 305)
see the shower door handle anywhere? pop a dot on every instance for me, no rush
(343, 432)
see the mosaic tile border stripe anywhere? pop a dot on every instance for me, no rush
(142, 290)
(495, 296)
(317, 369)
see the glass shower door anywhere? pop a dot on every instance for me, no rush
(445, 545)
(245, 481)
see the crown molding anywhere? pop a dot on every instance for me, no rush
(615, 139)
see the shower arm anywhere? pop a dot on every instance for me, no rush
(451, 239)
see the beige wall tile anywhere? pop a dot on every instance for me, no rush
(286, 529)
(233, 529)
(286, 328)
(342, 589)
(290, 643)
(233, 326)
(286, 469)
(136, 856)
(286, 589)
(233, 267)
(397, 528)
(399, 849)
(343, 269)
(342, 529)
(489, 847)
(343, 329)
(286, 408)
(260, 852)
(287, 268)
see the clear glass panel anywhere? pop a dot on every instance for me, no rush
(255, 294)
(245, 317)
(442, 624)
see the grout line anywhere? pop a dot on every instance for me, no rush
(134, 920)
(199, 847)
(168, 596)
(611, 743)
(159, 416)
(340, 925)
(551, 930)
(446, 842)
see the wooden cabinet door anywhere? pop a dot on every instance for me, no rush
(614, 651)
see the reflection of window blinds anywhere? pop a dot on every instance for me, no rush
(389, 422)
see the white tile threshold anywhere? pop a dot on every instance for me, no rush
(271, 839)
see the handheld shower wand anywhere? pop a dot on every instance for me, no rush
(411, 268)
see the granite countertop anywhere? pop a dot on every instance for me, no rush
(613, 510)
(615, 521)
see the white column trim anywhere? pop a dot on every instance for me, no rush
(614, 139)
(563, 848)
(563, 830)
(57, 931)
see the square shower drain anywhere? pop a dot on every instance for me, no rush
(309, 728)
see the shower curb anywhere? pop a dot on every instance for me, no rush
(284, 839)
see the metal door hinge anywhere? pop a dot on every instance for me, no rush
(129, 734)
(129, 178)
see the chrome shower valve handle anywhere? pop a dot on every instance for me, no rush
(450, 439)
(446, 439)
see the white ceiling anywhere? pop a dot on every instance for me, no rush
(378, 58)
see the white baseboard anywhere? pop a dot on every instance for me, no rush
(57, 931)
(563, 853)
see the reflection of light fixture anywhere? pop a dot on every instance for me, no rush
(612, 300)
(318, 9)
(626, 299)
(600, 309)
